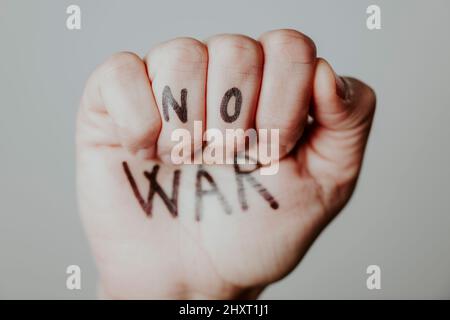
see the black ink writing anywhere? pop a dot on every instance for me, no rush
(171, 203)
(200, 193)
(155, 188)
(134, 186)
(246, 174)
(233, 92)
(169, 100)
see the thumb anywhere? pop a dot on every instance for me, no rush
(342, 110)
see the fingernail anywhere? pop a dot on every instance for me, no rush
(341, 87)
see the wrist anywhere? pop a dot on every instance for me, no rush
(251, 293)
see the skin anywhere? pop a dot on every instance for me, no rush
(227, 253)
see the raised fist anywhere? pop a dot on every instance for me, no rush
(214, 230)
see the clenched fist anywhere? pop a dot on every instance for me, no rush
(160, 230)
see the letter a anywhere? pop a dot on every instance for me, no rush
(73, 21)
(374, 280)
(73, 281)
(374, 20)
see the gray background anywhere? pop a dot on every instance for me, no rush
(399, 217)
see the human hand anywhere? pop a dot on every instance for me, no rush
(214, 231)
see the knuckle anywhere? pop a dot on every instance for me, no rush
(289, 45)
(284, 125)
(120, 63)
(180, 54)
(364, 94)
(236, 50)
(185, 50)
(371, 98)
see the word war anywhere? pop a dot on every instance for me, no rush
(205, 185)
